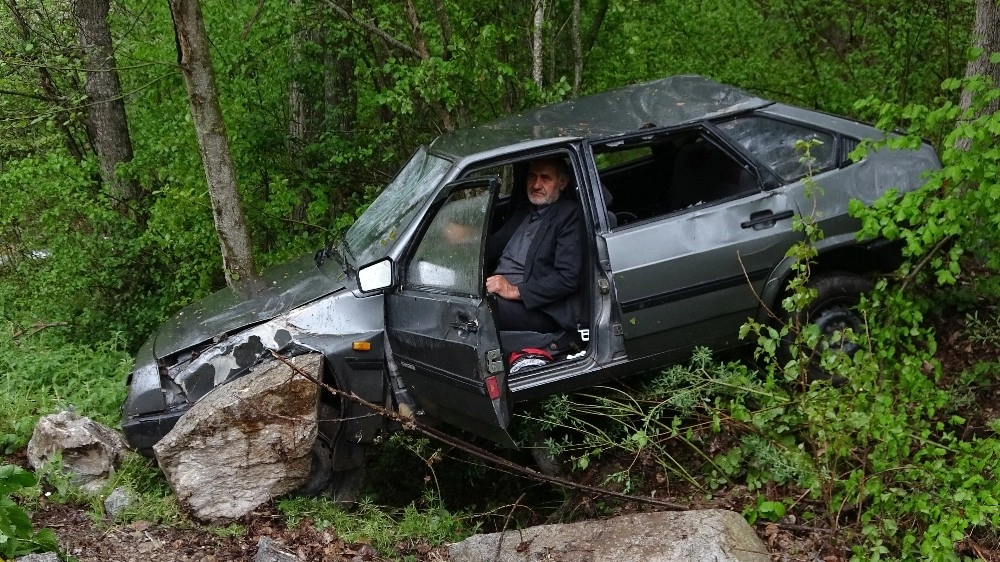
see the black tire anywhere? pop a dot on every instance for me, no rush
(345, 485)
(342, 485)
(834, 310)
(321, 470)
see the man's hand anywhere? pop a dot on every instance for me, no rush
(499, 286)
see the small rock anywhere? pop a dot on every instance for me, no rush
(44, 557)
(272, 551)
(116, 502)
(90, 451)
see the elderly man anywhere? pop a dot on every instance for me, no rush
(539, 256)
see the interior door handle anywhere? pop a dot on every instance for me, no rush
(470, 326)
(765, 219)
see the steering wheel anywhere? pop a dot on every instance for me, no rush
(625, 217)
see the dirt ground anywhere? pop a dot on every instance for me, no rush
(88, 541)
(140, 542)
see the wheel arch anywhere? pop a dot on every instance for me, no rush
(844, 254)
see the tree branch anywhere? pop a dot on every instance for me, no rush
(595, 27)
(382, 34)
(418, 34)
(25, 95)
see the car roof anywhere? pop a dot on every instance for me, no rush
(666, 102)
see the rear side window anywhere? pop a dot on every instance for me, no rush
(773, 144)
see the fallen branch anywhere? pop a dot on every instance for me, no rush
(37, 327)
(411, 424)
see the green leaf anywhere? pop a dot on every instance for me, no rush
(13, 478)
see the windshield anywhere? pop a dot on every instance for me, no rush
(393, 210)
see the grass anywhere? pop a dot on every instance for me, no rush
(41, 374)
(381, 528)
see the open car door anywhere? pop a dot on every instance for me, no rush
(439, 324)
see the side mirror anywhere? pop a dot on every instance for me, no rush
(375, 276)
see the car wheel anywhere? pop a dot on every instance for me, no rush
(321, 471)
(344, 485)
(833, 311)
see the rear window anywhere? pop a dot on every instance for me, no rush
(773, 143)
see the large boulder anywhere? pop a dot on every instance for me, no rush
(669, 536)
(245, 442)
(90, 451)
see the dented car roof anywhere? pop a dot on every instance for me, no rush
(661, 103)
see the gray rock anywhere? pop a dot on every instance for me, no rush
(716, 535)
(117, 500)
(44, 557)
(272, 551)
(245, 442)
(90, 451)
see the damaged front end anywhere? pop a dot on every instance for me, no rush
(302, 310)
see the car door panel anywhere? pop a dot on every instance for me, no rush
(692, 277)
(439, 326)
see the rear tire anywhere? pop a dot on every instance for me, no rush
(833, 311)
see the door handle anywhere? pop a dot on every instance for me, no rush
(765, 219)
(470, 326)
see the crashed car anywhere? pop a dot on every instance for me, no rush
(688, 189)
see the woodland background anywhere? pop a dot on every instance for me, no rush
(152, 152)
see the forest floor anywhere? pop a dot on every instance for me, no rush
(90, 541)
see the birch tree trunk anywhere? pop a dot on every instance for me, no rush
(986, 33)
(195, 62)
(107, 124)
(538, 23)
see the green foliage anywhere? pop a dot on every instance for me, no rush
(41, 374)
(819, 54)
(151, 498)
(954, 214)
(764, 509)
(646, 421)
(17, 537)
(232, 530)
(373, 525)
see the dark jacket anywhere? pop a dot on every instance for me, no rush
(553, 270)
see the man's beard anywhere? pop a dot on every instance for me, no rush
(541, 200)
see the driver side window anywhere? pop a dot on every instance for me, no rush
(449, 255)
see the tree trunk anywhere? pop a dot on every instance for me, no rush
(538, 22)
(305, 110)
(986, 33)
(107, 124)
(577, 48)
(445, 23)
(595, 26)
(195, 62)
(420, 45)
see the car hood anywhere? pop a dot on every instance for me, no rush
(280, 289)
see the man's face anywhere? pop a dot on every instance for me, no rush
(545, 183)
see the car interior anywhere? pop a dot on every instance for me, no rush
(652, 177)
